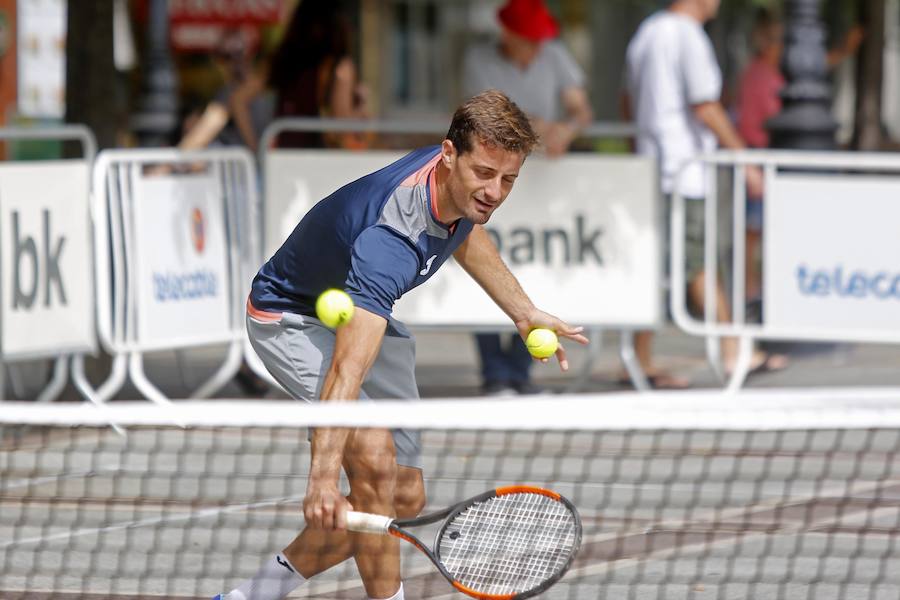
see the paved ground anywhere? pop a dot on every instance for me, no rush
(456, 373)
(448, 366)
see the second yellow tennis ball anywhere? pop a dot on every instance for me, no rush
(542, 343)
(334, 308)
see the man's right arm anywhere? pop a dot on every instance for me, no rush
(355, 349)
(626, 112)
(703, 85)
(383, 265)
(713, 115)
(239, 104)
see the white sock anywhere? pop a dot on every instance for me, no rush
(397, 596)
(275, 579)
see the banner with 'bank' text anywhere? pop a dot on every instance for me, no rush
(581, 233)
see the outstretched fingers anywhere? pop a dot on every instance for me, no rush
(562, 358)
(573, 333)
(564, 330)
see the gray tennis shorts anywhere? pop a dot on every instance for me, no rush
(297, 351)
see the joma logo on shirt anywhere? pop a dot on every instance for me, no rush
(427, 265)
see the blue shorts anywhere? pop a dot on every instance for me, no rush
(754, 214)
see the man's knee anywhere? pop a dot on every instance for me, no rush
(372, 470)
(408, 503)
(409, 497)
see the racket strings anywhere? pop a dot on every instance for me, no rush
(509, 544)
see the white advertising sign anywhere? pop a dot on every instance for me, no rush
(831, 249)
(46, 260)
(580, 233)
(181, 260)
(297, 179)
(41, 53)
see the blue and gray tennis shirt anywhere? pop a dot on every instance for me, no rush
(376, 238)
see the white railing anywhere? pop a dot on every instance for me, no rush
(11, 359)
(157, 215)
(838, 193)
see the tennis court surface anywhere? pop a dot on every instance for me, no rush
(775, 494)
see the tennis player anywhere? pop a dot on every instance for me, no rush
(377, 238)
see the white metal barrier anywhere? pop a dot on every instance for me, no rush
(47, 296)
(582, 232)
(174, 245)
(830, 247)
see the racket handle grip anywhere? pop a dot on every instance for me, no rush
(361, 522)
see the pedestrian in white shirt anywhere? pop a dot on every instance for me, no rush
(673, 86)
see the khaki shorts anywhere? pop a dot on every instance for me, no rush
(297, 351)
(694, 219)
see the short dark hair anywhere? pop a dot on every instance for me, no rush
(494, 120)
(766, 29)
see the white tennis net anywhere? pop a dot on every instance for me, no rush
(778, 494)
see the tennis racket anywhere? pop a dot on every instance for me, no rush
(505, 544)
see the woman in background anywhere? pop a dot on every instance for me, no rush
(211, 123)
(312, 74)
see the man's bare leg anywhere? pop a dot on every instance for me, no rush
(643, 352)
(697, 295)
(316, 550)
(753, 280)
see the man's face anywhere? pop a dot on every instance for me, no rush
(481, 179)
(520, 50)
(710, 8)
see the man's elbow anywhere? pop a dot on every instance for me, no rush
(588, 117)
(625, 111)
(350, 370)
(348, 373)
(702, 110)
(583, 115)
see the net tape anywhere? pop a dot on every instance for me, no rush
(781, 409)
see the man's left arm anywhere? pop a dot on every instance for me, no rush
(576, 113)
(480, 259)
(557, 137)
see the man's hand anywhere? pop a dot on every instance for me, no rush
(324, 507)
(754, 178)
(539, 318)
(557, 138)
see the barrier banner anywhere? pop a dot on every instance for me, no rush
(830, 253)
(47, 290)
(180, 258)
(581, 234)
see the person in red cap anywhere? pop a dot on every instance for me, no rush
(529, 19)
(542, 78)
(535, 71)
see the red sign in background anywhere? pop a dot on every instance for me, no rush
(198, 25)
(225, 12)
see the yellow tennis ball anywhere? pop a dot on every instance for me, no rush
(542, 343)
(334, 308)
